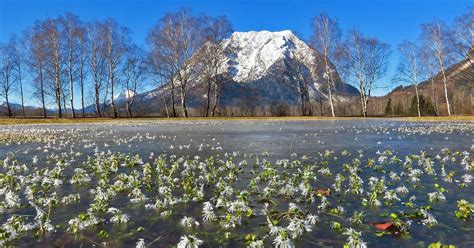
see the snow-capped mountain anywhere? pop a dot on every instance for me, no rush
(259, 72)
(254, 53)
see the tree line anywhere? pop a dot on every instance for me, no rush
(64, 58)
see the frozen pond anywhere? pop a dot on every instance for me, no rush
(237, 183)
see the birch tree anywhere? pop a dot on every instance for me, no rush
(212, 57)
(71, 25)
(133, 71)
(435, 37)
(326, 39)
(430, 66)
(160, 61)
(54, 57)
(97, 60)
(409, 69)
(365, 63)
(17, 54)
(82, 60)
(7, 75)
(173, 41)
(116, 38)
(36, 59)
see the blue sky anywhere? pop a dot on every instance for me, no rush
(390, 20)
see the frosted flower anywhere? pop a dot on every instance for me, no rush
(137, 196)
(71, 198)
(256, 244)
(12, 200)
(357, 217)
(353, 239)
(402, 190)
(436, 196)
(275, 230)
(324, 203)
(120, 218)
(35, 159)
(467, 178)
(297, 227)
(293, 207)
(394, 176)
(390, 195)
(189, 222)
(208, 212)
(312, 219)
(429, 219)
(140, 243)
(283, 242)
(189, 241)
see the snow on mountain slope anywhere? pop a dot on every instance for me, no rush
(258, 51)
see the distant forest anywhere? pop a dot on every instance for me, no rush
(76, 69)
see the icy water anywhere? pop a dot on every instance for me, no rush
(243, 183)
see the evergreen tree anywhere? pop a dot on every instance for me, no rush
(388, 108)
(399, 109)
(426, 107)
(413, 110)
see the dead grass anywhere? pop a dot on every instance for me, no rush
(21, 121)
(439, 118)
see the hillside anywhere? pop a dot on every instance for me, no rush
(460, 91)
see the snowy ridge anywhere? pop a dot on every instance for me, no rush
(256, 52)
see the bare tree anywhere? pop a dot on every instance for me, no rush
(365, 62)
(133, 72)
(18, 58)
(71, 25)
(436, 40)
(410, 68)
(430, 66)
(326, 39)
(82, 59)
(34, 41)
(7, 75)
(97, 60)
(54, 60)
(174, 41)
(212, 57)
(302, 74)
(115, 46)
(160, 54)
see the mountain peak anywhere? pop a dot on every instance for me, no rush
(263, 34)
(256, 51)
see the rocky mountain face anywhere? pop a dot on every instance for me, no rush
(259, 72)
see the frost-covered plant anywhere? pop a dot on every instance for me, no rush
(465, 210)
(189, 222)
(354, 239)
(189, 241)
(118, 216)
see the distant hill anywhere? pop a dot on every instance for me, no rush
(460, 88)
